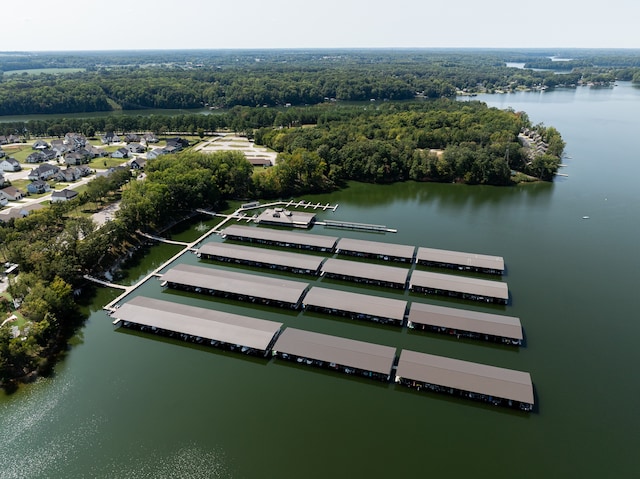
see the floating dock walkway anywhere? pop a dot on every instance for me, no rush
(350, 225)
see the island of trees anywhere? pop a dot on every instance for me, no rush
(322, 143)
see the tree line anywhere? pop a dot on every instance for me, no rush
(197, 79)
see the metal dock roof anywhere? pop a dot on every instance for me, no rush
(466, 376)
(376, 247)
(284, 217)
(262, 255)
(236, 283)
(357, 269)
(356, 303)
(280, 236)
(460, 258)
(333, 349)
(202, 322)
(460, 284)
(464, 320)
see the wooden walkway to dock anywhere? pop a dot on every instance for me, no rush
(162, 240)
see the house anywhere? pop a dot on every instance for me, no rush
(110, 171)
(110, 137)
(43, 172)
(10, 164)
(49, 154)
(35, 157)
(120, 153)
(84, 170)
(74, 158)
(135, 148)
(138, 163)
(40, 145)
(96, 152)
(69, 174)
(4, 201)
(2, 153)
(75, 140)
(155, 153)
(150, 138)
(20, 212)
(59, 147)
(131, 138)
(37, 187)
(12, 193)
(171, 149)
(3, 140)
(2, 180)
(63, 195)
(178, 142)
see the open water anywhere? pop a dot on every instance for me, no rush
(130, 405)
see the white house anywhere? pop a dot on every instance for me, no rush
(120, 153)
(10, 164)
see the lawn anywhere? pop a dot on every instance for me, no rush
(20, 152)
(106, 162)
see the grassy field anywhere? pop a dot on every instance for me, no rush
(20, 152)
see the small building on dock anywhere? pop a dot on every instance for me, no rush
(335, 353)
(459, 286)
(359, 272)
(468, 324)
(262, 257)
(480, 382)
(356, 305)
(479, 263)
(198, 325)
(376, 250)
(232, 284)
(281, 238)
(284, 217)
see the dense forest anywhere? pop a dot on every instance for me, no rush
(223, 79)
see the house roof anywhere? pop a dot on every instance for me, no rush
(460, 258)
(281, 236)
(66, 194)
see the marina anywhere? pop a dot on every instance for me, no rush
(339, 354)
(240, 286)
(459, 286)
(262, 258)
(375, 250)
(478, 263)
(355, 305)
(284, 217)
(479, 382)
(281, 238)
(367, 273)
(198, 325)
(464, 323)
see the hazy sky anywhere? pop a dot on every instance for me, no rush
(162, 24)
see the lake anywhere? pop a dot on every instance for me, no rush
(123, 404)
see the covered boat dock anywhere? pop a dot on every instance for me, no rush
(262, 257)
(376, 250)
(198, 325)
(240, 286)
(359, 272)
(282, 238)
(356, 306)
(284, 217)
(340, 354)
(469, 324)
(459, 286)
(479, 263)
(479, 382)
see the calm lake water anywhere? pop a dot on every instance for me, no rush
(129, 405)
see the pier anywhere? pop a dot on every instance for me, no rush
(350, 225)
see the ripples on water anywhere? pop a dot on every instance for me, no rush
(26, 453)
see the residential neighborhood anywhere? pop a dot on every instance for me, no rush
(50, 169)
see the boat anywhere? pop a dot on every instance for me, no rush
(585, 217)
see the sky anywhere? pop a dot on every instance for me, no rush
(42, 25)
